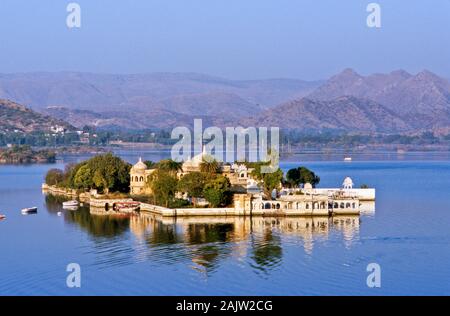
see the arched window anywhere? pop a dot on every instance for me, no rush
(336, 205)
(347, 205)
(354, 205)
(342, 205)
(307, 205)
(278, 206)
(137, 179)
(267, 206)
(141, 179)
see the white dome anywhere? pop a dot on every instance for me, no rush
(140, 165)
(348, 183)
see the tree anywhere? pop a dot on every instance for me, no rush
(54, 177)
(301, 175)
(150, 164)
(169, 165)
(217, 191)
(83, 178)
(103, 172)
(267, 181)
(163, 185)
(193, 184)
(209, 165)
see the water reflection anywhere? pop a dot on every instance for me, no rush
(204, 243)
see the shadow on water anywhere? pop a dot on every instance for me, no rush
(95, 225)
(203, 243)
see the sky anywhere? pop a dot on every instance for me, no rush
(236, 39)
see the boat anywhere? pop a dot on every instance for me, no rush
(348, 159)
(29, 210)
(70, 203)
(2, 217)
(127, 207)
(70, 208)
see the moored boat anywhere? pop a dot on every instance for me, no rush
(71, 203)
(127, 207)
(29, 210)
(2, 217)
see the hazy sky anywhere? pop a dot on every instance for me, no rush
(242, 39)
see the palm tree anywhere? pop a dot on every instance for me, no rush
(209, 166)
(170, 165)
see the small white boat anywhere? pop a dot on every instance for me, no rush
(72, 203)
(29, 210)
(70, 208)
(2, 217)
(348, 159)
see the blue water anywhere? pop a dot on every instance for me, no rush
(408, 236)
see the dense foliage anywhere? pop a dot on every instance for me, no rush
(301, 175)
(106, 173)
(217, 191)
(163, 184)
(267, 181)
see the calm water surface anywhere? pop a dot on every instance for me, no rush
(409, 236)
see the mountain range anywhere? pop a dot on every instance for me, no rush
(421, 100)
(394, 102)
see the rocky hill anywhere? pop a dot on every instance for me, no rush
(345, 113)
(16, 117)
(422, 100)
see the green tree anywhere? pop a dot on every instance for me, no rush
(193, 184)
(209, 165)
(301, 175)
(150, 164)
(267, 181)
(217, 191)
(83, 178)
(169, 165)
(103, 172)
(163, 185)
(54, 177)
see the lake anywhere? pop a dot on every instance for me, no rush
(408, 236)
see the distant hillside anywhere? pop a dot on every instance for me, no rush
(392, 102)
(422, 100)
(16, 117)
(343, 113)
(131, 119)
(186, 93)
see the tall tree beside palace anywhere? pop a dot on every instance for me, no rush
(163, 184)
(301, 175)
(267, 181)
(106, 173)
(217, 191)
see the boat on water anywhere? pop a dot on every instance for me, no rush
(70, 208)
(127, 207)
(71, 203)
(348, 159)
(29, 210)
(2, 217)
